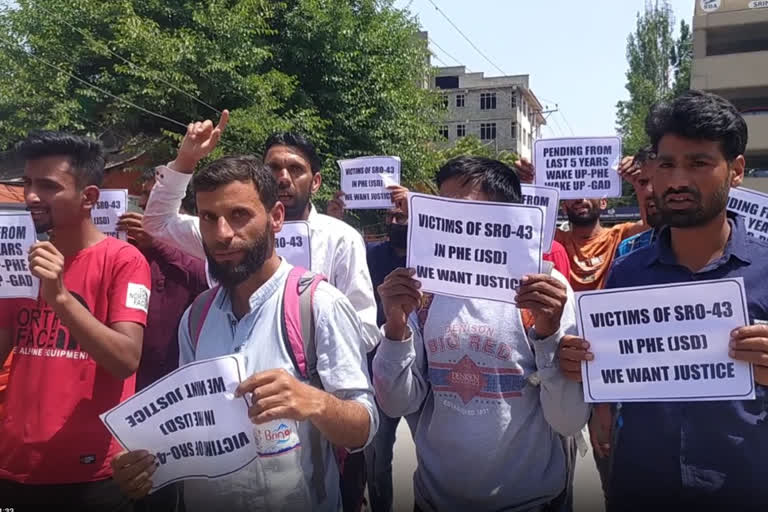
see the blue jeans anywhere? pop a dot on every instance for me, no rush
(378, 461)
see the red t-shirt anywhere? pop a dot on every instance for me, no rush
(51, 432)
(559, 257)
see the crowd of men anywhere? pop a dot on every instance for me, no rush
(122, 313)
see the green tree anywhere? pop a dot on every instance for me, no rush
(681, 60)
(348, 73)
(658, 67)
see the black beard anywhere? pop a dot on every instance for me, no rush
(296, 212)
(699, 215)
(229, 276)
(584, 220)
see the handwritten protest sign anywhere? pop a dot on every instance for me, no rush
(579, 167)
(190, 421)
(753, 206)
(292, 243)
(665, 343)
(17, 234)
(484, 257)
(364, 181)
(110, 206)
(548, 199)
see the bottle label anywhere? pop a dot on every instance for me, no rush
(276, 437)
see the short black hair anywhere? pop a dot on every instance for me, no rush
(238, 168)
(699, 115)
(643, 155)
(86, 156)
(496, 179)
(299, 142)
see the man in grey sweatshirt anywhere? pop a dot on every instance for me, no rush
(480, 377)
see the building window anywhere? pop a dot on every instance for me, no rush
(514, 101)
(487, 131)
(459, 100)
(444, 100)
(514, 130)
(461, 130)
(488, 101)
(444, 131)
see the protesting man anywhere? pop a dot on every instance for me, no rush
(337, 250)
(640, 178)
(237, 200)
(501, 451)
(693, 455)
(77, 346)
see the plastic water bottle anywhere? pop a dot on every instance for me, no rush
(279, 448)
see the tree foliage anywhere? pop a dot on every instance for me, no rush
(350, 74)
(659, 66)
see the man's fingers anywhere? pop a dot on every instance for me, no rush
(223, 121)
(750, 331)
(570, 340)
(127, 472)
(256, 380)
(757, 358)
(575, 355)
(400, 280)
(272, 414)
(401, 293)
(401, 272)
(750, 344)
(123, 459)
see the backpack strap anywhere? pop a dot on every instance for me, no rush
(298, 329)
(197, 313)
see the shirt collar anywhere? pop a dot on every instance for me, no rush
(262, 294)
(736, 247)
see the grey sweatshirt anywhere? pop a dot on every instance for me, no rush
(485, 432)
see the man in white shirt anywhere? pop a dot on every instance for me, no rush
(239, 216)
(338, 251)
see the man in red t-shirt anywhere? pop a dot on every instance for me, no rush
(75, 348)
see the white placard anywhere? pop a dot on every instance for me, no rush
(190, 421)
(17, 235)
(548, 199)
(473, 249)
(364, 181)
(293, 244)
(112, 204)
(579, 167)
(753, 206)
(665, 343)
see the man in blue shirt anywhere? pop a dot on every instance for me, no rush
(694, 455)
(641, 181)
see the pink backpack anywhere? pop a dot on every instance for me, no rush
(298, 333)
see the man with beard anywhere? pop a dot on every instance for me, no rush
(338, 251)
(77, 346)
(641, 181)
(693, 455)
(239, 216)
(591, 246)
